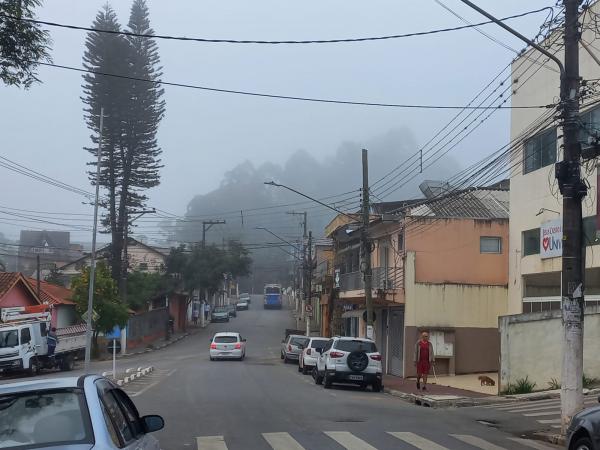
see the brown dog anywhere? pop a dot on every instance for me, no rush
(486, 381)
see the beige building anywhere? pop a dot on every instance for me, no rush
(535, 200)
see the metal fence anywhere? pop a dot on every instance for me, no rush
(384, 278)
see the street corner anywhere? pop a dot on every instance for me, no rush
(131, 374)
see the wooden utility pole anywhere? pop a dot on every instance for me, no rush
(366, 244)
(308, 294)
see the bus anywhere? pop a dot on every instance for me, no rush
(272, 296)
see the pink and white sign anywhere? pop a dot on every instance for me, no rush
(551, 239)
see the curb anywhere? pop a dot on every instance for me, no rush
(134, 374)
(148, 350)
(426, 401)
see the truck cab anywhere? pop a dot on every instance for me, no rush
(19, 343)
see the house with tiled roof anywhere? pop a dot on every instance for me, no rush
(16, 290)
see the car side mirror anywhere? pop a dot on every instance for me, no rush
(153, 423)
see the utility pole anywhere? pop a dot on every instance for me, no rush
(308, 294)
(38, 288)
(365, 244)
(303, 266)
(568, 173)
(573, 189)
(90, 306)
(207, 225)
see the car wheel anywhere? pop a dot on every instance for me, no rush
(327, 382)
(299, 368)
(286, 360)
(304, 370)
(34, 368)
(377, 386)
(67, 364)
(212, 359)
(281, 355)
(583, 443)
(362, 386)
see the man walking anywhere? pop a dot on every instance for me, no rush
(206, 311)
(423, 359)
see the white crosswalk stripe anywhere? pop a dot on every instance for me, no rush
(282, 441)
(477, 442)
(285, 441)
(349, 441)
(417, 441)
(530, 443)
(211, 443)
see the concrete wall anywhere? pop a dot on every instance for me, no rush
(529, 193)
(143, 329)
(448, 250)
(531, 345)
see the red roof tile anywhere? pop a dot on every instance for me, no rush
(52, 294)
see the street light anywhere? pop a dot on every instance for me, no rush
(277, 236)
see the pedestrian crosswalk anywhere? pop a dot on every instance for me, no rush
(545, 412)
(391, 440)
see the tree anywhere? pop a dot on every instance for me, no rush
(107, 306)
(131, 155)
(144, 286)
(55, 277)
(23, 44)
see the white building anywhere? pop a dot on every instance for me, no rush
(535, 200)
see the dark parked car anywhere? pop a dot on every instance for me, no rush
(584, 431)
(232, 310)
(219, 314)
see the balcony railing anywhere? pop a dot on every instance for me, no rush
(383, 279)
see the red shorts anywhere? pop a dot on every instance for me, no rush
(423, 367)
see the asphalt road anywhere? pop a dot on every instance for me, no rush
(262, 403)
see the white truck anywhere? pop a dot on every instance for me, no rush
(24, 344)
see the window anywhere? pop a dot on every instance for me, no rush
(590, 125)
(52, 418)
(539, 151)
(356, 346)
(318, 343)
(589, 231)
(298, 341)
(25, 336)
(490, 244)
(531, 242)
(400, 241)
(130, 411)
(225, 339)
(9, 338)
(114, 412)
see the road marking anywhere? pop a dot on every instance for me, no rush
(530, 443)
(211, 443)
(531, 403)
(282, 441)
(531, 408)
(141, 391)
(349, 441)
(417, 441)
(476, 442)
(549, 421)
(543, 413)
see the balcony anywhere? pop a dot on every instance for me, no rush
(385, 279)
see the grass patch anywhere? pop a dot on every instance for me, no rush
(521, 386)
(554, 384)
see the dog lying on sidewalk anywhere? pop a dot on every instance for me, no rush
(486, 381)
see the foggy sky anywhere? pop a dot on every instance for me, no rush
(204, 135)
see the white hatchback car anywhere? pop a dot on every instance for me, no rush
(227, 345)
(349, 360)
(308, 357)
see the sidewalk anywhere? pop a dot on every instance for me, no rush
(162, 342)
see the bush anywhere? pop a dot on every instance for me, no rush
(589, 382)
(521, 386)
(554, 384)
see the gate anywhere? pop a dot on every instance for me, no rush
(396, 332)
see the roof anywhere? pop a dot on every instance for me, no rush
(52, 294)
(41, 384)
(9, 279)
(390, 207)
(54, 239)
(475, 203)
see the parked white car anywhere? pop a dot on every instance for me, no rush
(309, 356)
(227, 345)
(349, 360)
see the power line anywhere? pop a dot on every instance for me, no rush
(284, 97)
(268, 42)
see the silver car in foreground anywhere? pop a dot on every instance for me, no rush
(78, 413)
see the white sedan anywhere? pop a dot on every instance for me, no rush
(227, 345)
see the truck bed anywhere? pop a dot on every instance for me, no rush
(70, 339)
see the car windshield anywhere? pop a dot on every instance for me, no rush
(318, 343)
(299, 341)
(225, 339)
(356, 346)
(220, 309)
(272, 290)
(43, 419)
(9, 338)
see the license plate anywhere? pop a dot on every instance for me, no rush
(355, 377)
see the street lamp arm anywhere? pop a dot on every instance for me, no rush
(272, 183)
(519, 35)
